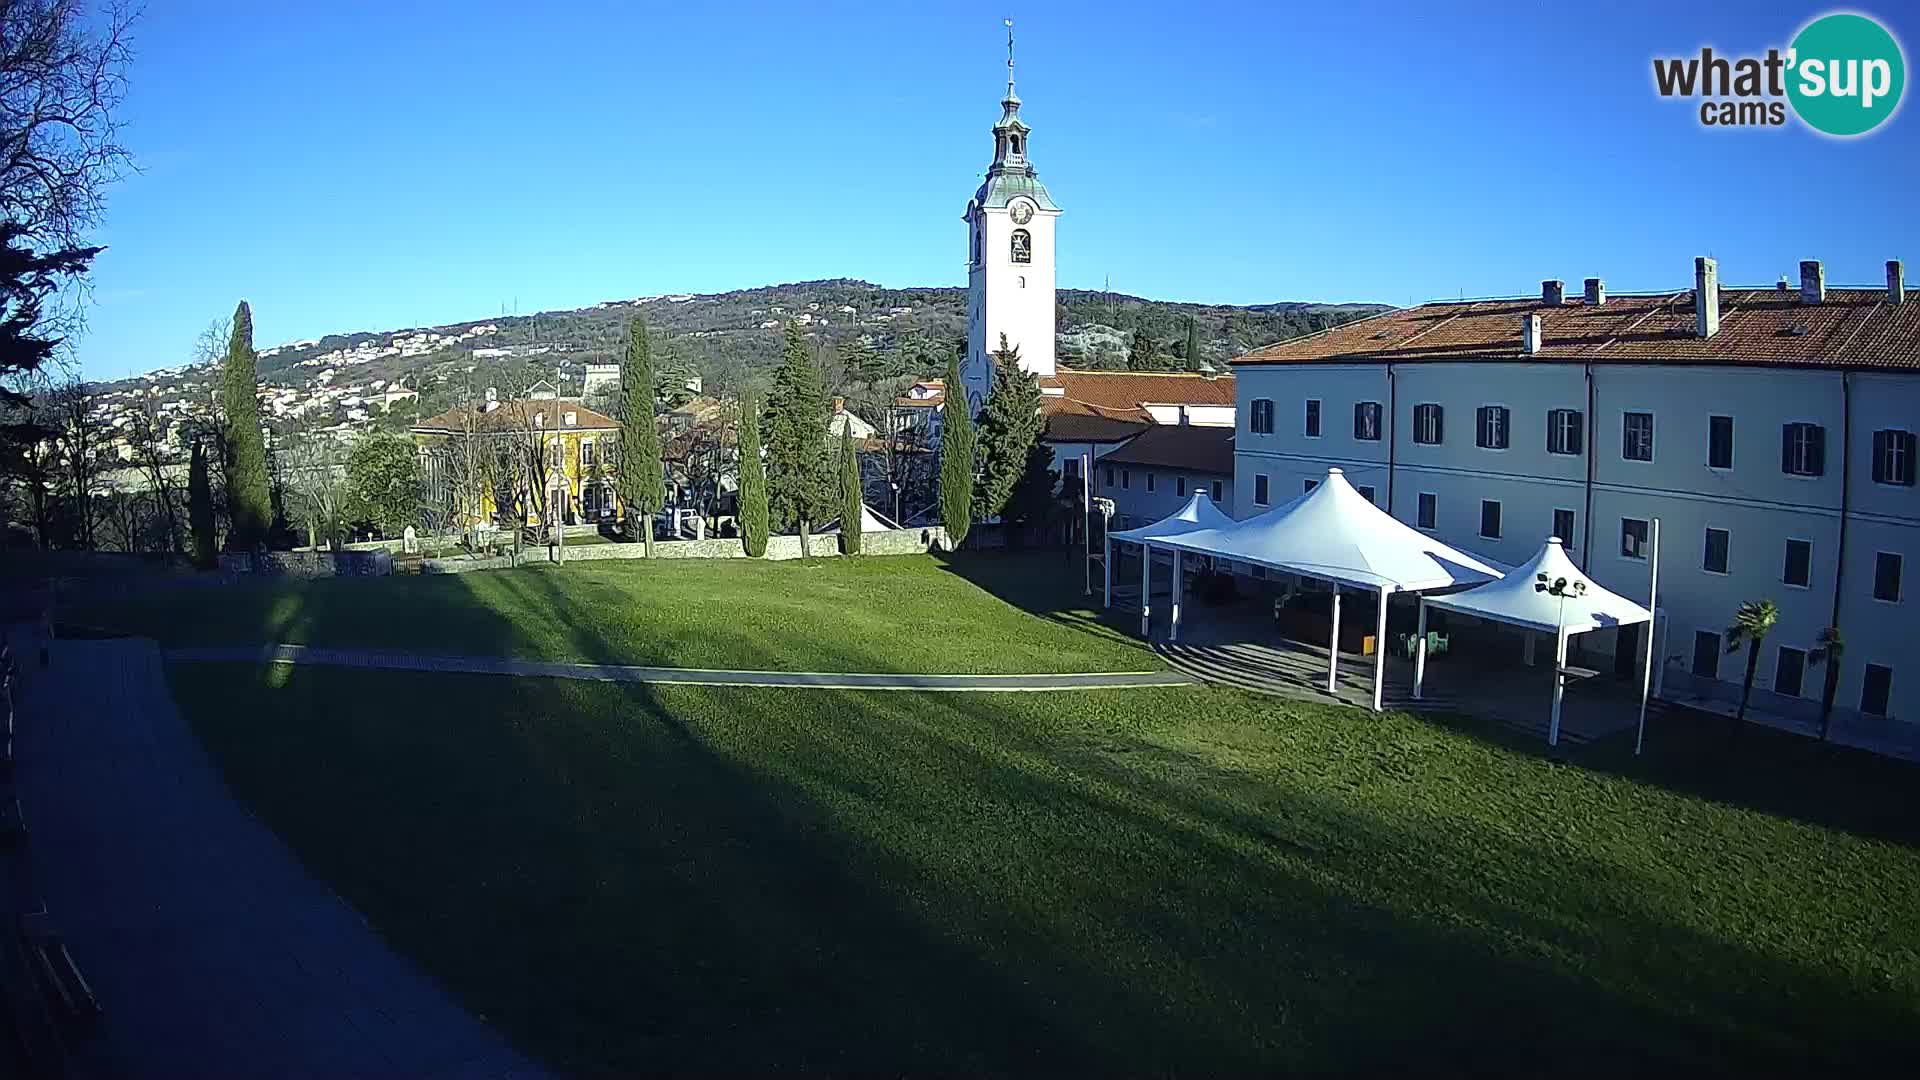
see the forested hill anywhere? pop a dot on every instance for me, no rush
(731, 340)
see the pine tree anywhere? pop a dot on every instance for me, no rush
(800, 482)
(1194, 359)
(642, 483)
(249, 492)
(1009, 427)
(852, 506)
(200, 506)
(753, 482)
(956, 458)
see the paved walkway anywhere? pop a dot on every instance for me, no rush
(210, 948)
(489, 665)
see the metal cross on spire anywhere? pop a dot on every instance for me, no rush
(1009, 23)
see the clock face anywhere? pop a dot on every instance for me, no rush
(1022, 211)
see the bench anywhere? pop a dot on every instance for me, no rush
(66, 988)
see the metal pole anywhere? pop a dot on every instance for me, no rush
(1106, 561)
(1420, 654)
(1646, 673)
(1380, 651)
(1146, 591)
(1086, 521)
(1173, 624)
(1333, 641)
(1559, 683)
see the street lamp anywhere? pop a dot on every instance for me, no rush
(1560, 588)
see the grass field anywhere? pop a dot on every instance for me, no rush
(901, 613)
(670, 879)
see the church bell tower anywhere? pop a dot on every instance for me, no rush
(1010, 256)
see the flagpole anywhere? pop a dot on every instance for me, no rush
(1653, 619)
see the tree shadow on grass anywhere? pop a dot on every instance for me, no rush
(626, 877)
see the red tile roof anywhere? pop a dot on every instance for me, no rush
(1852, 328)
(1180, 446)
(1108, 406)
(516, 416)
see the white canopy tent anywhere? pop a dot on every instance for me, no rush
(1337, 535)
(869, 522)
(1548, 594)
(1198, 513)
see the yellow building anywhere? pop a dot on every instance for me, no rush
(474, 454)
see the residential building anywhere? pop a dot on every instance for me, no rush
(578, 470)
(1771, 431)
(1155, 472)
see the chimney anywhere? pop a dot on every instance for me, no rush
(1596, 292)
(1553, 292)
(1813, 282)
(1706, 297)
(1896, 282)
(1784, 286)
(1530, 334)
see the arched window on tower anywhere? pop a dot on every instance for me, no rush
(976, 245)
(1022, 246)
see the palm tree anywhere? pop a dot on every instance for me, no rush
(1751, 625)
(1827, 650)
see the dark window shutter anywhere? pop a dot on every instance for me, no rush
(1439, 424)
(1553, 421)
(1908, 444)
(1786, 448)
(1579, 428)
(1817, 450)
(1881, 441)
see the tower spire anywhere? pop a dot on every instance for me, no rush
(1009, 57)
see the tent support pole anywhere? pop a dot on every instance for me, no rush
(1173, 613)
(1146, 591)
(1559, 683)
(1420, 654)
(1653, 622)
(1380, 651)
(1106, 564)
(1333, 642)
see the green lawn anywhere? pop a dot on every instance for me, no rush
(901, 613)
(675, 879)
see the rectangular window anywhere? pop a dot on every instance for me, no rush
(1428, 427)
(1876, 687)
(1893, 457)
(1886, 576)
(1262, 421)
(1706, 654)
(1799, 569)
(1216, 491)
(1180, 486)
(1366, 492)
(1149, 479)
(1636, 436)
(1566, 432)
(1126, 478)
(1070, 470)
(1789, 671)
(1719, 442)
(1366, 421)
(586, 453)
(1313, 418)
(1633, 538)
(1489, 519)
(1715, 559)
(1563, 528)
(1259, 489)
(1429, 510)
(1490, 433)
(1109, 471)
(1803, 449)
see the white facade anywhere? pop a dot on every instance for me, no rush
(1754, 500)
(1143, 494)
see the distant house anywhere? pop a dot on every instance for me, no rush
(580, 447)
(1154, 473)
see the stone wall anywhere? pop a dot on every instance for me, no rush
(890, 542)
(306, 564)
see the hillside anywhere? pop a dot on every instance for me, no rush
(337, 383)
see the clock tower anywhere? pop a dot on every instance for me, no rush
(1010, 256)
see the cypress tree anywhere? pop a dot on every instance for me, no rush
(800, 481)
(1193, 344)
(852, 506)
(753, 483)
(642, 482)
(1009, 427)
(200, 506)
(956, 458)
(249, 493)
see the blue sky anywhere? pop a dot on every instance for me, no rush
(374, 166)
